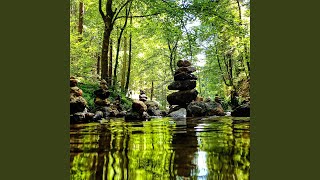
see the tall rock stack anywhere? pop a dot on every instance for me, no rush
(184, 82)
(77, 102)
(78, 110)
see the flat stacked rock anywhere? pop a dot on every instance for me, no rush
(184, 82)
(78, 110)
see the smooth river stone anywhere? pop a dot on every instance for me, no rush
(183, 63)
(182, 85)
(182, 98)
(185, 69)
(184, 76)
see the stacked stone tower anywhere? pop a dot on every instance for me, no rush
(184, 82)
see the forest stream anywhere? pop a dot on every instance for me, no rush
(161, 148)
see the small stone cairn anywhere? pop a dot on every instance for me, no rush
(143, 97)
(139, 109)
(101, 101)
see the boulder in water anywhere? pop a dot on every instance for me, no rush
(201, 108)
(182, 98)
(242, 110)
(197, 109)
(214, 108)
(179, 114)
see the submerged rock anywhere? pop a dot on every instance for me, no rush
(242, 110)
(136, 116)
(181, 113)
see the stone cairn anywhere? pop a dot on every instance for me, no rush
(101, 101)
(184, 82)
(78, 105)
(139, 109)
(103, 107)
(143, 97)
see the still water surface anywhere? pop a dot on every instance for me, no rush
(215, 148)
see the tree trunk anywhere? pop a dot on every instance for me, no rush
(104, 55)
(110, 64)
(80, 25)
(109, 20)
(98, 65)
(124, 64)
(118, 48)
(151, 90)
(130, 57)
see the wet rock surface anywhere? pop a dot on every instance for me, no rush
(242, 111)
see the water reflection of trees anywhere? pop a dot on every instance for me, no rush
(156, 150)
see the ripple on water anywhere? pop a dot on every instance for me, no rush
(162, 148)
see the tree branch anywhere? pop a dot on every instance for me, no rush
(140, 16)
(101, 12)
(117, 13)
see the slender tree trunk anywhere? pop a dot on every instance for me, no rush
(124, 64)
(118, 48)
(98, 65)
(245, 58)
(110, 64)
(173, 54)
(129, 59)
(171, 57)
(222, 73)
(151, 90)
(80, 25)
(189, 40)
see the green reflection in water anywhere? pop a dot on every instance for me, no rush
(208, 148)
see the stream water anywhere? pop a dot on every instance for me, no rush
(162, 148)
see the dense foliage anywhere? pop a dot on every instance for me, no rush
(153, 34)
